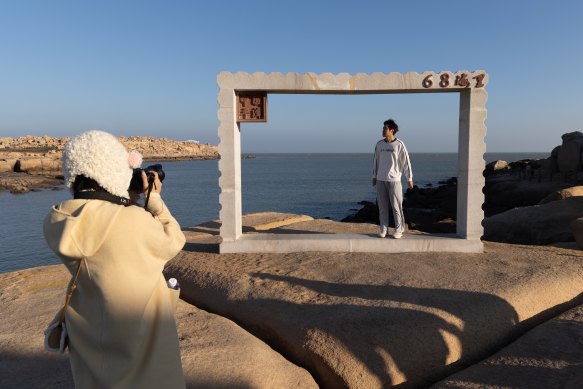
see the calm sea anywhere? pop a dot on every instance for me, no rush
(319, 185)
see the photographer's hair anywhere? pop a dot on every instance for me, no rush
(86, 184)
(390, 123)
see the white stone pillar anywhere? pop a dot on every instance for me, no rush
(230, 201)
(471, 149)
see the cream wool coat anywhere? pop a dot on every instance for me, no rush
(122, 332)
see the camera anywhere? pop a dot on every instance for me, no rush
(136, 184)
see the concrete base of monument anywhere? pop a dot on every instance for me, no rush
(357, 243)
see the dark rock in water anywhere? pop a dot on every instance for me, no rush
(426, 209)
(512, 190)
(369, 213)
(443, 197)
(434, 209)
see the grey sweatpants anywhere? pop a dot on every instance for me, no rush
(390, 192)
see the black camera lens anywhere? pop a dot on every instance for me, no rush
(136, 184)
(156, 168)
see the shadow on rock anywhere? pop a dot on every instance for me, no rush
(47, 371)
(378, 335)
(211, 248)
(547, 357)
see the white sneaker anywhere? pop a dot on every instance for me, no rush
(398, 235)
(382, 232)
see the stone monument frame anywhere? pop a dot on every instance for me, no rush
(471, 149)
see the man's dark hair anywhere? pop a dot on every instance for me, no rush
(392, 125)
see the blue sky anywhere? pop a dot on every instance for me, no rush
(150, 67)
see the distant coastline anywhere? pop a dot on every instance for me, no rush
(34, 162)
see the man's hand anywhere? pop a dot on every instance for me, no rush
(374, 181)
(410, 184)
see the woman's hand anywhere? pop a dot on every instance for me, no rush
(156, 186)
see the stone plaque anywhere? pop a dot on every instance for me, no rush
(252, 107)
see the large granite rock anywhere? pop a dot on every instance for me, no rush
(32, 165)
(569, 155)
(496, 167)
(216, 353)
(537, 224)
(7, 165)
(381, 320)
(549, 356)
(503, 193)
(563, 194)
(22, 182)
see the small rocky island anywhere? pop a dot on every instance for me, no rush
(531, 201)
(34, 162)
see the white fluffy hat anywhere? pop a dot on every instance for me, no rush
(100, 156)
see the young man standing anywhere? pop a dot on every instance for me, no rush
(391, 160)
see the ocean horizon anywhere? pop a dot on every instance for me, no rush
(321, 185)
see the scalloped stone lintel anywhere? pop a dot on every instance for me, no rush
(471, 149)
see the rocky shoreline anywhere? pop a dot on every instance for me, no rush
(30, 163)
(531, 201)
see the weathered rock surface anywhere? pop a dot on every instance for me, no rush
(354, 320)
(22, 182)
(7, 165)
(563, 194)
(267, 220)
(379, 320)
(537, 224)
(216, 353)
(549, 356)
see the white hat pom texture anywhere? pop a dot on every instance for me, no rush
(100, 156)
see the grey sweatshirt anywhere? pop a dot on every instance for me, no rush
(391, 160)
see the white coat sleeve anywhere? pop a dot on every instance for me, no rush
(171, 239)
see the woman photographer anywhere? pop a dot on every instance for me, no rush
(120, 319)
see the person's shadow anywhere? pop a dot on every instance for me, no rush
(408, 335)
